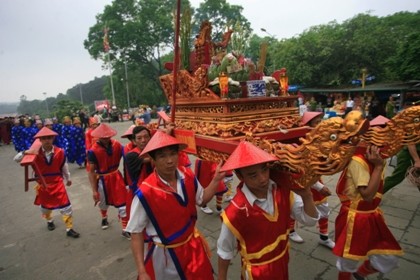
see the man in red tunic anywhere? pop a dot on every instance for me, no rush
(165, 208)
(93, 124)
(320, 194)
(89, 140)
(256, 220)
(106, 180)
(204, 171)
(52, 165)
(136, 168)
(360, 230)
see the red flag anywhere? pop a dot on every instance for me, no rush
(106, 42)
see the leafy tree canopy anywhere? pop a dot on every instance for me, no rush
(334, 54)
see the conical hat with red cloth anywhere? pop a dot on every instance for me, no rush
(104, 131)
(246, 154)
(45, 132)
(379, 120)
(129, 132)
(160, 140)
(308, 116)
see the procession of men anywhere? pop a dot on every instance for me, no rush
(215, 222)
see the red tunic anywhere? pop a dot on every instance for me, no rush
(360, 229)
(107, 170)
(146, 169)
(89, 141)
(183, 159)
(127, 148)
(205, 170)
(174, 220)
(54, 196)
(264, 250)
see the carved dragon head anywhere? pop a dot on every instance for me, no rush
(325, 150)
(403, 129)
(332, 143)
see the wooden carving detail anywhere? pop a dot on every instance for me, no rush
(211, 155)
(203, 44)
(403, 129)
(235, 129)
(325, 150)
(188, 86)
(258, 106)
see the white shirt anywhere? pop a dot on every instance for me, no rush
(164, 267)
(349, 103)
(65, 170)
(139, 219)
(302, 109)
(227, 245)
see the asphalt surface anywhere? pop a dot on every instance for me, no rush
(29, 251)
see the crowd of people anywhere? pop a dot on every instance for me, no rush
(158, 186)
(340, 105)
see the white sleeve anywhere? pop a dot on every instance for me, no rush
(299, 214)
(18, 158)
(317, 186)
(65, 171)
(199, 194)
(226, 244)
(138, 218)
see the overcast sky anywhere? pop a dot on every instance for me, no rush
(41, 41)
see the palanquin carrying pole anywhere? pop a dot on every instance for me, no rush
(176, 59)
(29, 161)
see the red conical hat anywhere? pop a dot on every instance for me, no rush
(104, 131)
(308, 116)
(93, 120)
(44, 132)
(129, 132)
(246, 154)
(379, 120)
(160, 140)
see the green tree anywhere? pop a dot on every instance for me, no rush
(66, 108)
(221, 15)
(334, 54)
(138, 32)
(185, 38)
(89, 92)
(406, 62)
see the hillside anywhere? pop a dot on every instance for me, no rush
(8, 108)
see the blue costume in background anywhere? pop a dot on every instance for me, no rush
(17, 138)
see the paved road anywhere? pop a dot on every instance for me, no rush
(29, 251)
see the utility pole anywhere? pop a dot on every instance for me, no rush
(48, 111)
(112, 83)
(126, 86)
(81, 93)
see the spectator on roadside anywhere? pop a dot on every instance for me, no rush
(146, 117)
(408, 156)
(390, 108)
(349, 105)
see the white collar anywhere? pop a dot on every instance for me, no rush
(252, 198)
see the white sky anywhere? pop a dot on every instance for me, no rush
(41, 41)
